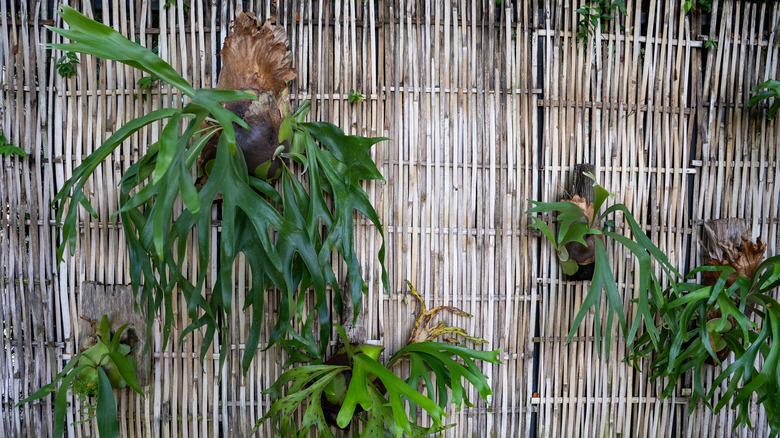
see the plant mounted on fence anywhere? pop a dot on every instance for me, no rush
(354, 384)
(683, 325)
(239, 141)
(595, 14)
(579, 220)
(705, 322)
(94, 373)
(287, 236)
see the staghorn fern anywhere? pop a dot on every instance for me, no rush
(684, 325)
(277, 231)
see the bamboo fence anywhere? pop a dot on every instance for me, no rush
(488, 104)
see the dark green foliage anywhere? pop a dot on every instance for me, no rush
(288, 233)
(66, 65)
(684, 325)
(147, 82)
(449, 364)
(287, 237)
(175, 3)
(595, 14)
(94, 372)
(603, 279)
(771, 90)
(7, 149)
(704, 6)
(355, 97)
(691, 336)
(375, 395)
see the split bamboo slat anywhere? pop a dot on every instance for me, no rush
(487, 104)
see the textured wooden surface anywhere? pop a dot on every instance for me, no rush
(117, 303)
(487, 104)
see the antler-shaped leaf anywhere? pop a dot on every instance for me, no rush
(423, 332)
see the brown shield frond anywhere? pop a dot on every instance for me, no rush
(727, 243)
(424, 332)
(255, 59)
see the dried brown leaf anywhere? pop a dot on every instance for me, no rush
(723, 237)
(746, 260)
(750, 256)
(422, 330)
(255, 57)
(583, 204)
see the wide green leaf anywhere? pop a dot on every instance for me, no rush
(603, 279)
(350, 150)
(61, 404)
(647, 288)
(97, 39)
(108, 422)
(444, 362)
(307, 386)
(126, 370)
(543, 227)
(85, 170)
(290, 238)
(358, 393)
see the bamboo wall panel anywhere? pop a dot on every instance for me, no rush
(487, 104)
